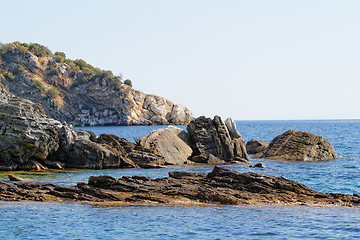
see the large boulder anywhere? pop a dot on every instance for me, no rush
(212, 139)
(256, 146)
(170, 142)
(298, 146)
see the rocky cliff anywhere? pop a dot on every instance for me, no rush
(31, 140)
(78, 93)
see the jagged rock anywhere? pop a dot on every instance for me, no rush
(221, 186)
(171, 143)
(29, 140)
(298, 146)
(231, 126)
(256, 146)
(100, 100)
(258, 165)
(212, 137)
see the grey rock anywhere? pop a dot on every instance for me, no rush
(171, 143)
(212, 137)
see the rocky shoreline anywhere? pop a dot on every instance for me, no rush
(221, 186)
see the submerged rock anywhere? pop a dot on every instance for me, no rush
(256, 146)
(298, 146)
(14, 178)
(213, 137)
(258, 165)
(221, 186)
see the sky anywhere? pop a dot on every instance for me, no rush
(249, 60)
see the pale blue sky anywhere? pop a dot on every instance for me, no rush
(255, 59)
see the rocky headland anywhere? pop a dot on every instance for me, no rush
(30, 140)
(80, 94)
(221, 186)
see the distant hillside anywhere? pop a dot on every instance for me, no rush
(78, 93)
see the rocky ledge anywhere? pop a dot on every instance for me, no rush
(221, 186)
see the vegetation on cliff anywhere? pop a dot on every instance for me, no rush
(76, 92)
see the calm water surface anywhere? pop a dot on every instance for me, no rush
(80, 221)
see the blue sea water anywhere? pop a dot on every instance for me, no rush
(27, 220)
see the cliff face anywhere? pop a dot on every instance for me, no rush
(76, 92)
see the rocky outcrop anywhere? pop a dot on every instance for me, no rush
(79, 94)
(256, 146)
(172, 143)
(212, 139)
(29, 140)
(221, 186)
(298, 146)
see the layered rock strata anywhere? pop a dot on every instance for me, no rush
(31, 140)
(221, 186)
(298, 146)
(213, 139)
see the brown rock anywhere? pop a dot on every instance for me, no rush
(298, 146)
(256, 146)
(219, 186)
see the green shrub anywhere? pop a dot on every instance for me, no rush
(53, 71)
(128, 82)
(52, 93)
(20, 68)
(22, 49)
(59, 57)
(9, 75)
(38, 85)
(39, 50)
(5, 48)
(72, 65)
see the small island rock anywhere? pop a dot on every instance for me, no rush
(298, 146)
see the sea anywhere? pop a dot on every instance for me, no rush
(35, 220)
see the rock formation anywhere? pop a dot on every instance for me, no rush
(298, 146)
(212, 139)
(31, 140)
(221, 186)
(172, 143)
(256, 146)
(79, 94)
